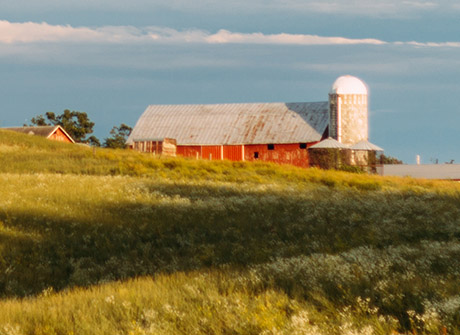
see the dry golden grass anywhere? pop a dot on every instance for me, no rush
(112, 241)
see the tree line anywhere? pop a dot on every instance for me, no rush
(80, 127)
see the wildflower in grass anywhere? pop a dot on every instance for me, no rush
(110, 299)
(11, 330)
(301, 325)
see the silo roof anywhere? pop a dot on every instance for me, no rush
(329, 143)
(365, 145)
(240, 123)
(348, 85)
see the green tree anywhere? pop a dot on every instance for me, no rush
(119, 136)
(93, 141)
(76, 124)
(389, 160)
(39, 120)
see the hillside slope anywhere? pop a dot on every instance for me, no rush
(221, 247)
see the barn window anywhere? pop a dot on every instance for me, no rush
(303, 145)
(256, 154)
(271, 147)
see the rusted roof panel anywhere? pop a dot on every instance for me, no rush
(248, 123)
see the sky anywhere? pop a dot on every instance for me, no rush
(111, 59)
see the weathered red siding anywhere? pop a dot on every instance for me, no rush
(229, 152)
(59, 135)
(189, 151)
(233, 152)
(213, 152)
(282, 154)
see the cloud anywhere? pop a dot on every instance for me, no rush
(431, 44)
(33, 33)
(224, 36)
(39, 32)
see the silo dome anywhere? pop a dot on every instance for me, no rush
(348, 85)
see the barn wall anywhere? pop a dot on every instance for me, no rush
(59, 135)
(215, 152)
(212, 152)
(189, 151)
(282, 154)
(200, 151)
(233, 152)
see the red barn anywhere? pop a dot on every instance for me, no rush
(275, 132)
(56, 133)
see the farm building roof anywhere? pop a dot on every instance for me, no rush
(44, 131)
(365, 145)
(329, 143)
(245, 123)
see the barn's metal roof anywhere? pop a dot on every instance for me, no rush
(365, 145)
(246, 123)
(329, 143)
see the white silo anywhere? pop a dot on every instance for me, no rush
(348, 115)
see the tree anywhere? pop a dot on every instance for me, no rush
(93, 141)
(39, 120)
(119, 136)
(76, 124)
(389, 160)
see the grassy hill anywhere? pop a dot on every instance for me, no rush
(116, 242)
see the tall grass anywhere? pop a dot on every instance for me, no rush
(206, 302)
(232, 247)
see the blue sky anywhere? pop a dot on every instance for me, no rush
(111, 59)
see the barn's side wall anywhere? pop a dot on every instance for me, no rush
(233, 152)
(189, 151)
(291, 153)
(281, 154)
(213, 152)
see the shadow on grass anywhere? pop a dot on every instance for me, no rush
(208, 226)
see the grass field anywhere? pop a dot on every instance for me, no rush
(115, 242)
